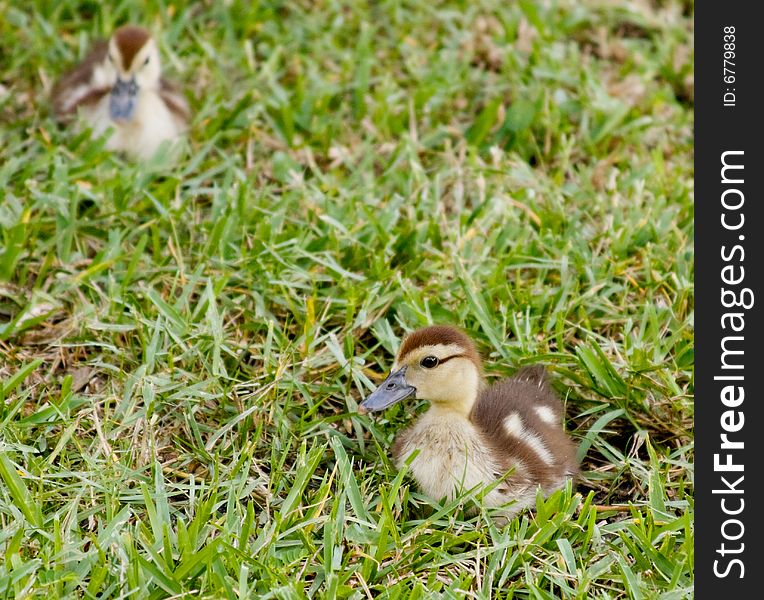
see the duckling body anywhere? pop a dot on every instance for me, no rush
(119, 86)
(153, 123)
(475, 434)
(452, 458)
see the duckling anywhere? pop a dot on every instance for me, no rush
(473, 433)
(119, 84)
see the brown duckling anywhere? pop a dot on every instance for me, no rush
(119, 84)
(474, 433)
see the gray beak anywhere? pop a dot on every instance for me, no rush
(122, 101)
(392, 390)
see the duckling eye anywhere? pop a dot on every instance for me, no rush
(429, 362)
(146, 61)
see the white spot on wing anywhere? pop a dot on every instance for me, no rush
(513, 425)
(546, 414)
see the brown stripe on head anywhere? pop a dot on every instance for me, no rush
(129, 39)
(439, 334)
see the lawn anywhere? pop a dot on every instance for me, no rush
(183, 347)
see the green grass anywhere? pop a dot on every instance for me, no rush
(182, 349)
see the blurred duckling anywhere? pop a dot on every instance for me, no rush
(473, 433)
(119, 84)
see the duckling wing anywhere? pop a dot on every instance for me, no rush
(174, 100)
(539, 392)
(78, 87)
(521, 418)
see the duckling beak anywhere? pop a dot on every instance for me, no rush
(122, 101)
(392, 390)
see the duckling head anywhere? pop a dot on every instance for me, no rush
(131, 65)
(437, 363)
